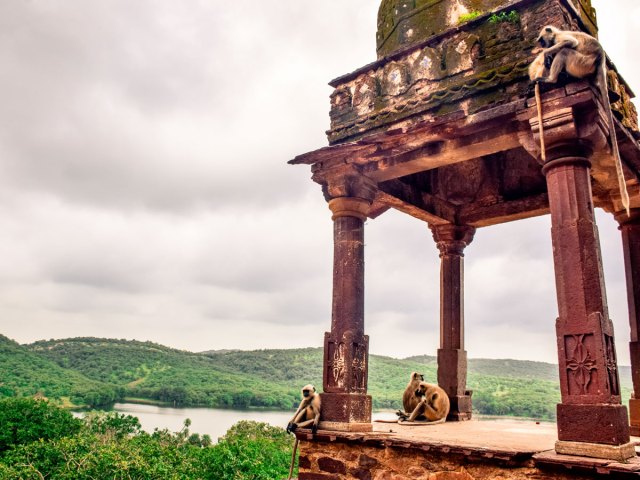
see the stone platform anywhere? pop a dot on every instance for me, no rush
(473, 450)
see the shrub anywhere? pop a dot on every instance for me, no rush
(112, 424)
(25, 420)
(251, 451)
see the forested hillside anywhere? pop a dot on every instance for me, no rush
(24, 373)
(263, 378)
(151, 371)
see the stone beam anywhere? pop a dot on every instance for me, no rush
(445, 152)
(410, 200)
(478, 215)
(409, 209)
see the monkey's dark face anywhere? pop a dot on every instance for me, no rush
(547, 37)
(306, 393)
(421, 391)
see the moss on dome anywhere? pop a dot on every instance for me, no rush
(405, 22)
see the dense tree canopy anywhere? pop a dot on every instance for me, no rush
(113, 446)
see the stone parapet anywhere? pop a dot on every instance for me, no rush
(379, 456)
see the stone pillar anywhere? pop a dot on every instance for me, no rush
(345, 403)
(630, 229)
(591, 420)
(451, 240)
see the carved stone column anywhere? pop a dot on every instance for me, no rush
(630, 229)
(451, 240)
(345, 403)
(590, 412)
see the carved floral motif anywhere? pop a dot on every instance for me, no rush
(337, 365)
(581, 364)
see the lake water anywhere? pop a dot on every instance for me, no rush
(212, 421)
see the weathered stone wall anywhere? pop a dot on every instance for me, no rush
(447, 67)
(339, 461)
(471, 67)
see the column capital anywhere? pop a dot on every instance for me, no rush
(349, 207)
(452, 239)
(345, 181)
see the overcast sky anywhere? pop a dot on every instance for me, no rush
(144, 190)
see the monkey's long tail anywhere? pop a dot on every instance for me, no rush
(293, 458)
(622, 184)
(543, 149)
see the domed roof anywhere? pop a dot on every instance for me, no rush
(406, 22)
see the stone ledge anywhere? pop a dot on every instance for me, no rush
(619, 453)
(486, 449)
(522, 458)
(614, 469)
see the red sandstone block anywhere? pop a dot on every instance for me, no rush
(367, 462)
(360, 473)
(317, 476)
(328, 464)
(304, 462)
(598, 423)
(634, 412)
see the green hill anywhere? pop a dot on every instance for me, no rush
(24, 373)
(272, 378)
(155, 372)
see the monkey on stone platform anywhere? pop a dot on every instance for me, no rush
(409, 399)
(308, 412)
(581, 56)
(432, 405)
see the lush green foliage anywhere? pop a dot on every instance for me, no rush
(113, 446)
(24, 420)
(467, 17)
(512, 17)
(23, 373)
(174, 377)
(250, 450)
(272, 378)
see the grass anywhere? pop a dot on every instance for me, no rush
(467, 17)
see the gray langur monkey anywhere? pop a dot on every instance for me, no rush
(432, 404)
(308, 412)
(581, 56)
(539, 68)
(409, 399)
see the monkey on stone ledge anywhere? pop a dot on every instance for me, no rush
(308, 412)
(581, 56)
